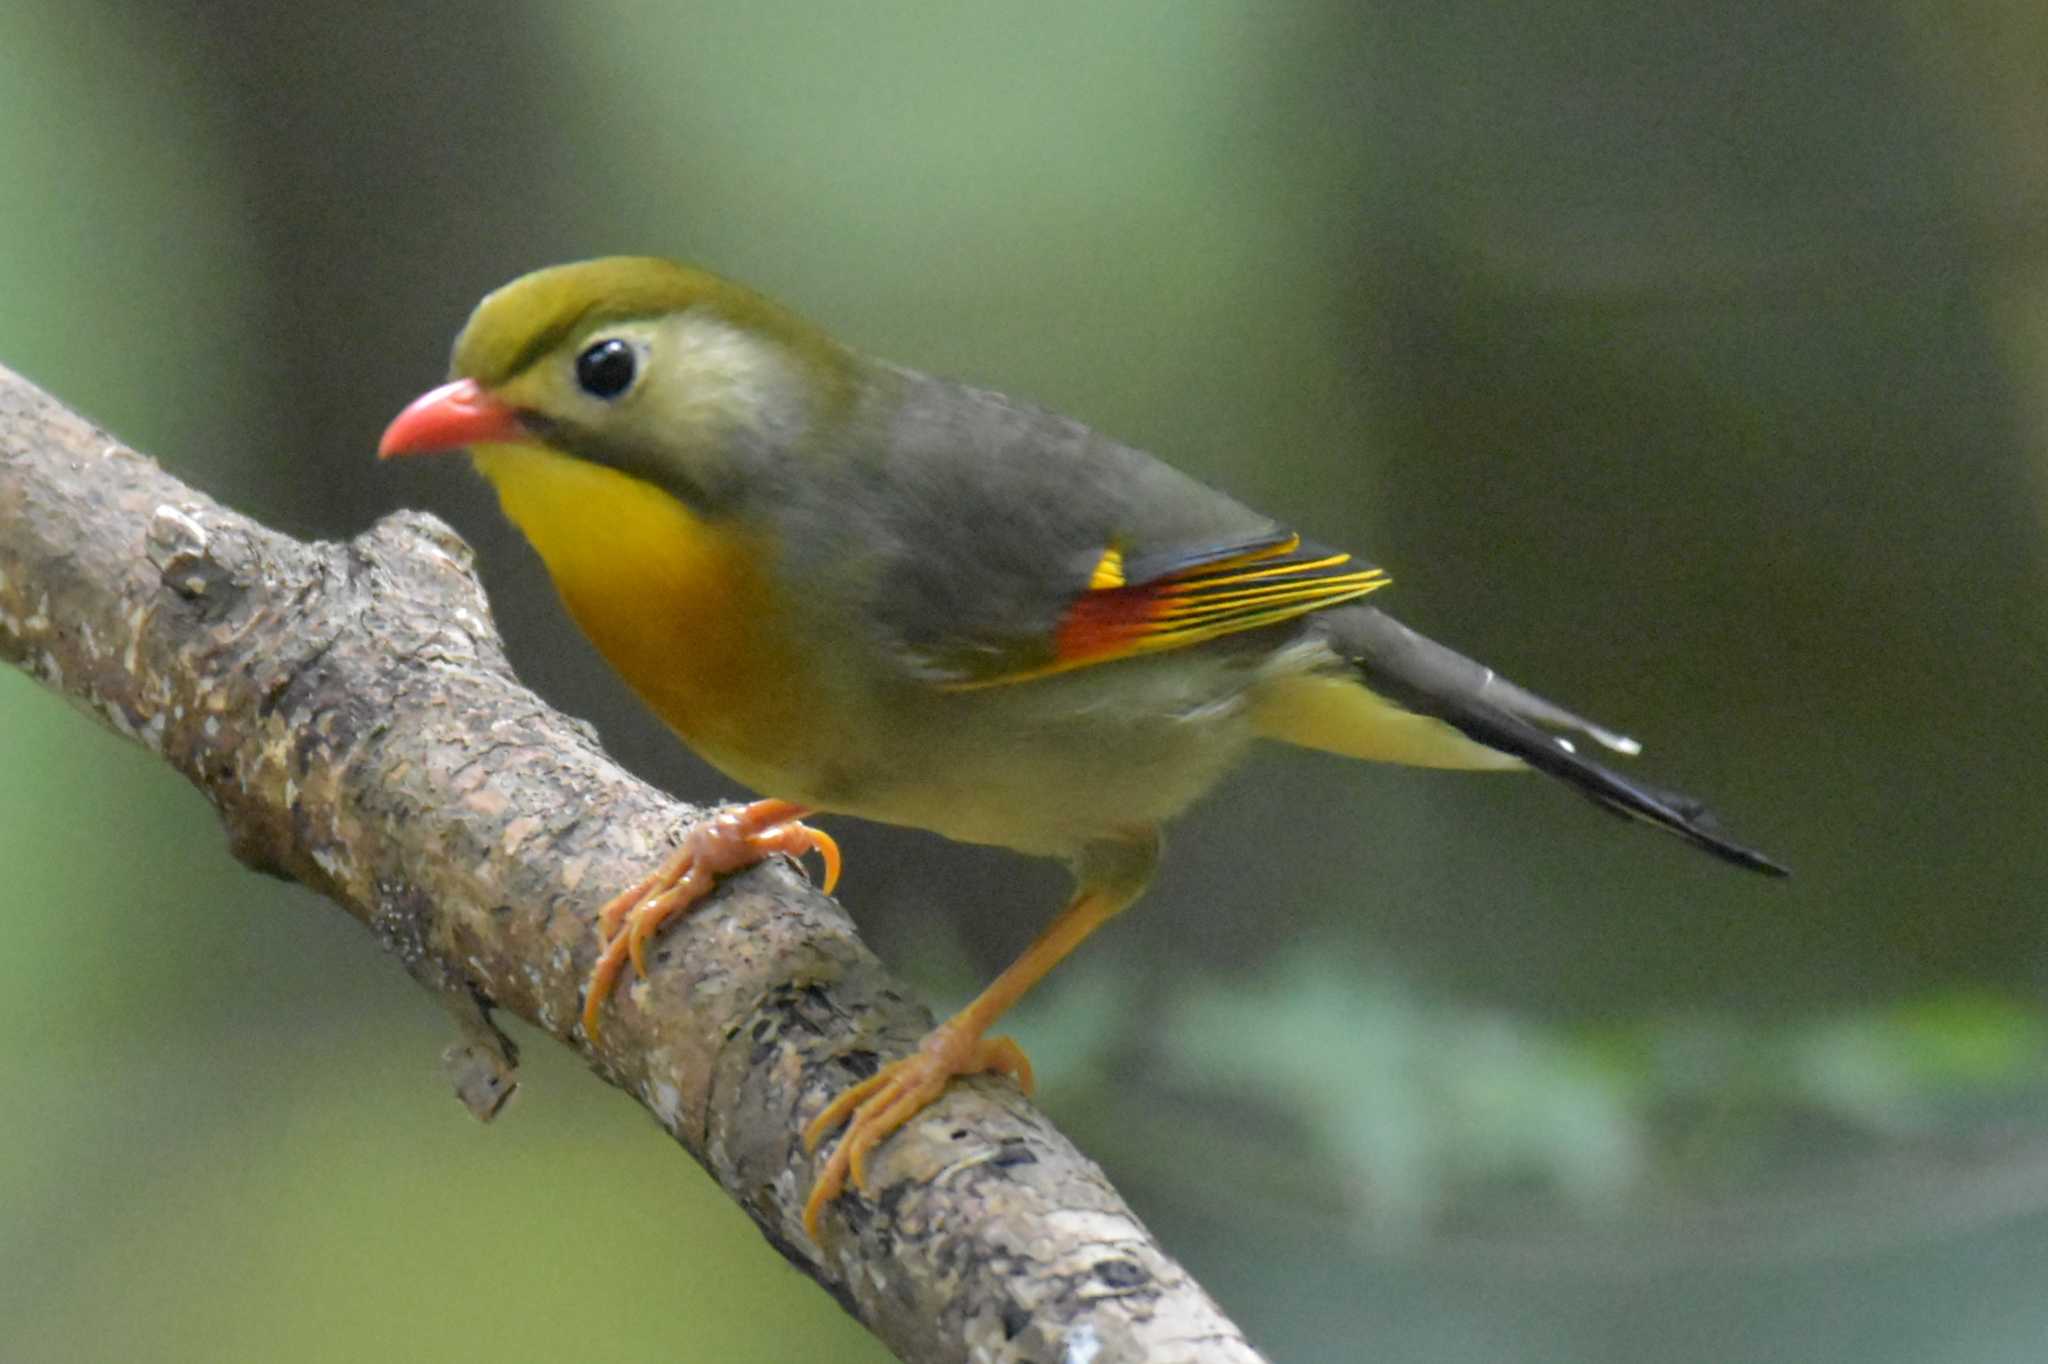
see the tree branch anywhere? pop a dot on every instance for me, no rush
(349, 711)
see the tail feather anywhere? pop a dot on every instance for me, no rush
(1423, 676)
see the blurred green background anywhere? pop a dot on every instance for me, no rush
(1690, 365)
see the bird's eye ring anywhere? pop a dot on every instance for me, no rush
(606, 368)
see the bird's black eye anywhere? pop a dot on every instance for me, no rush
(605, 369)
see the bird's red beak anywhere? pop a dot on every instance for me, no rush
(451, 416)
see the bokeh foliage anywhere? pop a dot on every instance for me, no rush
(1675, 361)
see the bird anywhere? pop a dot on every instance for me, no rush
(856, 588)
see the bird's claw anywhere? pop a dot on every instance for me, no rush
(726, 841)
(891, 1097)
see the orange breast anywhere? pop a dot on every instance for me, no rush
(682, 607)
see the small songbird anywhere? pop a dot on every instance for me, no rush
(857, 588)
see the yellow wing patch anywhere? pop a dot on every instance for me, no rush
(1109, 571)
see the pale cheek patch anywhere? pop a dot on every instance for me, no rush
(730, 378)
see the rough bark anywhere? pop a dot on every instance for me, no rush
(348, 710)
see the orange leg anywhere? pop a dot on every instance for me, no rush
(727, 841)
(1111, 876)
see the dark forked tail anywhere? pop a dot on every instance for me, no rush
(1423, 676)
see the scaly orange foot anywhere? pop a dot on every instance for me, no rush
(731, 839)
(895, 1094)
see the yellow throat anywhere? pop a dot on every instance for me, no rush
(679, 605)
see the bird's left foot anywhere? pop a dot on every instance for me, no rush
(895, 1094)
(727, 841)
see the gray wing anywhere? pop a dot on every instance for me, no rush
(985, 518)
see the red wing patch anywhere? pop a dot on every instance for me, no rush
(1191, 598)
